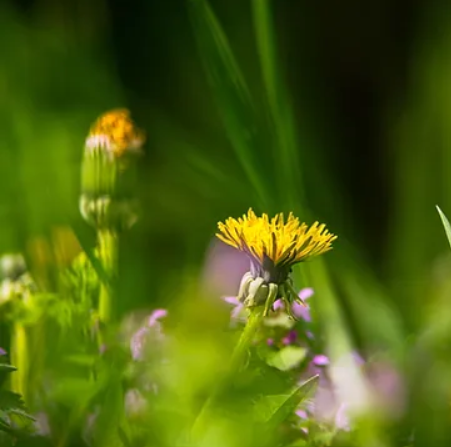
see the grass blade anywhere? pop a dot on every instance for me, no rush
(446, 224)
(293, 401)
(232, 94)
(280, 111)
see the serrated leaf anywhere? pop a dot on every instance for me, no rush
(11, 401)
(4, 420)
(287, 358)
(446, 224)
(5, 369)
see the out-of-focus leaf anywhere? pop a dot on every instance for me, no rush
(71, 390)
(293, 401)
(13, 415)
(287, 358)
(109, 419)
(446, 224)
(298, 443)
(5, 368)
(81, 360)
(10, 400)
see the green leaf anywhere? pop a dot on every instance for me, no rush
(267, 406)
(287, 407)
(287, 358)
(12, 409)
(10, 400)
(6, 368)
(71, 391)
(446, 224)
(81, 359)
(4, 421)
(109, 419)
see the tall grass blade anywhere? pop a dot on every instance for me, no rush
(284, 136)
(232, 94)
(446, 224)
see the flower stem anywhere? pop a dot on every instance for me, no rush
(19, 359)
(245, 341)
(238, 358)
(108, 249)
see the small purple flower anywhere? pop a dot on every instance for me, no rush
(270, 342)
(309, 334)
(139, 338)
(342, 418)
(134, 403)
(278, 305)
(155, 316)
(2, 351)
(302, 414)
(290, 338)
(41, 424)
(320, 360)
(137, 342)
(238, 307)
(300, 311)
(306, 293)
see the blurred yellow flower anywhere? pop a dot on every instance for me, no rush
(115, 131)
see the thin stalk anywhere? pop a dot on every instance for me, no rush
(108, 252)
(20, 359)
(236, 362)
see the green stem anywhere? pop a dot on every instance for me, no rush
(245, 341)
(108, 249)
(238, 358)
(19, 359)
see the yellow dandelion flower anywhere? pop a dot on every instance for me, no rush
(116, 132)
(274, 246)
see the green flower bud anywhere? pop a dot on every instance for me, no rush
(107, 199)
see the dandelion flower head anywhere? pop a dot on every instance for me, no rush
(115, 131)
(274, 245)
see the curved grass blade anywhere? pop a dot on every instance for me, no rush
(280, 110)
(232, 94)
(446, 224)
(288, 407)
